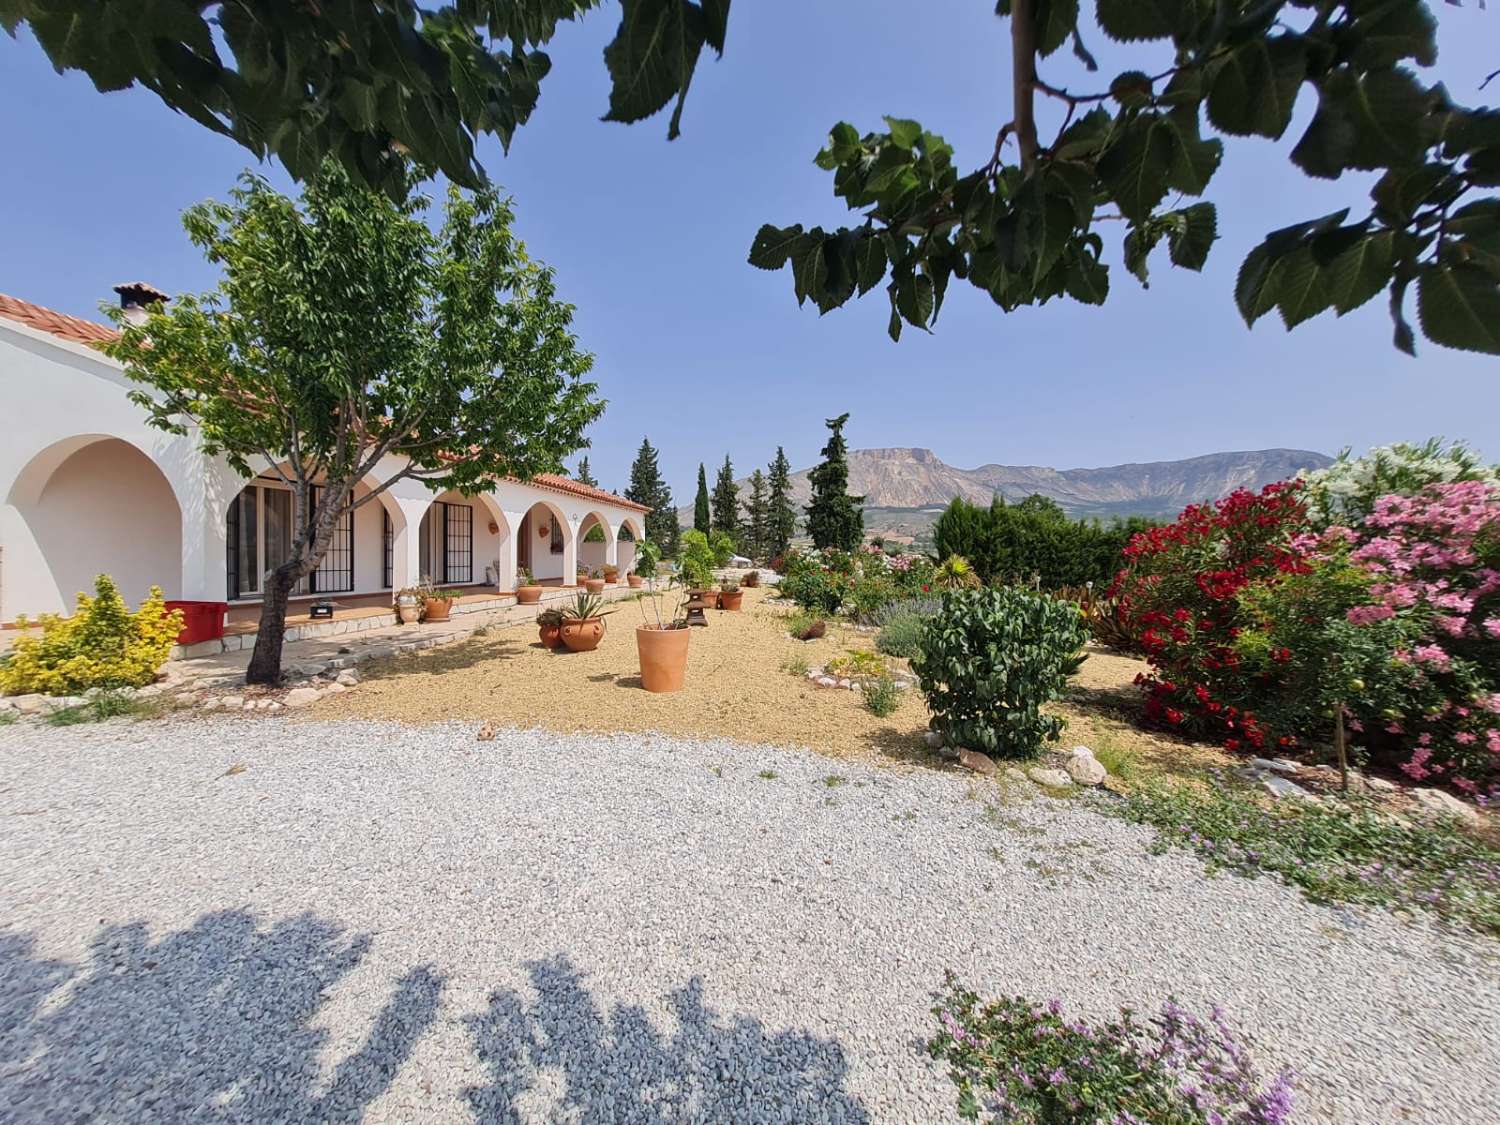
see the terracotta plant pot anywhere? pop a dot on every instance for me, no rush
(550, 635)
(731, 599)
(583, 634)
(709, 598)
(635, 580)
(528, 595)
(751, 580)
(594, 585)
(437, 609)
(663, 654)
(409, 614)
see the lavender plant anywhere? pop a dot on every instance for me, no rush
(1015, 1060)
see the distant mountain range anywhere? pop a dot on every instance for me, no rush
(898, 484)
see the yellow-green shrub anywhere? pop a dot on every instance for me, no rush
(102, 645)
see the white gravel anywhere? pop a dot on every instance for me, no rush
(407, 924)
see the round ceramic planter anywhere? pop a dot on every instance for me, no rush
(663, 654)
(409, 614)
(437, 609)
(636, 581)
(731, 599)
(528, 595)
(709, 598)
(550, 635)
(583, 634)
(594, 585)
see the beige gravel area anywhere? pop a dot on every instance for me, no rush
(739, 685)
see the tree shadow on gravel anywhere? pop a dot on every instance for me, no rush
(214, 1021)
(562, 1058)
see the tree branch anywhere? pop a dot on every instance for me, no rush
(1023, 79)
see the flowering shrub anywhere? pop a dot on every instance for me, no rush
(860, 582)
(103, 645)
(1021, 1061)
(1180, 591)
(991, 660)
(1345, 493)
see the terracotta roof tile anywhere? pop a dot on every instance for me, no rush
(81, 331)
(61, 325)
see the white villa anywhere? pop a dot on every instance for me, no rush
(87, 487)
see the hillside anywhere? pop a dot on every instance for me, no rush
(899, 482)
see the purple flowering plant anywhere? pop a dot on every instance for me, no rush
(1016, 1060)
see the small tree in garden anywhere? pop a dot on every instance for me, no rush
(726, 502)
(990, 660)
(584, 475)
(347, 333)
(757, 518)
(781, 519)
(702, 514)
(834, 518)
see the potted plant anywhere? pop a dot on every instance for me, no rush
(647, 556)
(438, 604)
(409, 605)
(661, 643)
(549, 627)
(730, 594)
(528, 589)
(583, 623)
(611, 574)
(593, 583)
(696, 564)
(751, 580)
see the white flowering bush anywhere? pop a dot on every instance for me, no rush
(1345, 493)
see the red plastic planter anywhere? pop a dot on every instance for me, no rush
(201, 621)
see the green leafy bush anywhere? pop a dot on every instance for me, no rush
(901, 625)
(1033, 541)
(103, 645)
(697, 560)
(990, 660)
(882, 696)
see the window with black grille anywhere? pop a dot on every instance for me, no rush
(458, 535)
(335, 574)
(388, 538)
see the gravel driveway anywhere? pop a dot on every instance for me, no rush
(402, 923)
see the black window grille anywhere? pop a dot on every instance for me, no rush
(458, 535)
(335, 573)
(388, 538)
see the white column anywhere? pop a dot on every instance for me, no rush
(204, 488)
(406, 557)
(611, 546)
(510, 549)
(570, 552)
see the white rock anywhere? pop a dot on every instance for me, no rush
(1381, 785)
(54, 703)
(1437, 802)
(301, 696)
(1084, 768)
(1050, 779)
(233, 702)
(348, 678)
(827, 681)
(1279, 786)
(28, 704)
(334, 688)
(211, 703)
(1276, 765)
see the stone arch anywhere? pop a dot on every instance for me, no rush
(536, 551)
(626, 547)
(593, 556)
(85, 505)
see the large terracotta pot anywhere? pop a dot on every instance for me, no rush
(709, 598)
(594, 585)
(528, 595)
(731, 599)
(550, 635)
(583, 634)
(663, 654)
(635, 580)
(437, 609)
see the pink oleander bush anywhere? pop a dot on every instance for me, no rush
(1015, 1060)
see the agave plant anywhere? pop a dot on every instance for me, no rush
(956, 573)
(585, 607)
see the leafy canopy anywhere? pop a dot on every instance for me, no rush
(1136, 152)
(367, 82)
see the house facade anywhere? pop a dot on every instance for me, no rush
(88, 487)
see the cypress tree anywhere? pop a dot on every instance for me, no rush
(648, 488)
(584, 475)
(781, 519)
(834, 518)
(702, 520)
(726, 502)
(757, 525)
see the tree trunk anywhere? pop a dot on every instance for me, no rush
(1023, 77)
(265, 661)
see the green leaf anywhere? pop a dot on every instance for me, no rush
(1402, 337)
(1087, 280)
(1361, 271)
(869, 258)
(1387, 108)
(893, 328)
(715, 23)
(1139, 243)
(1324, 148)
(1459, 307)
(1255, 87)
(809, 265)
(904, 133)
(773, 246)
(914, 298)
(1084, 136)
(1131, 88)
(1301, 289)
(1055, 21)
(652, 58)
(1191, 234)
(1134, 169)
(1385, 34)
(1194, 160)
(843, 146)
(1130, 20)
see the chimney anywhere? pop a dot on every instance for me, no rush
(136, 297)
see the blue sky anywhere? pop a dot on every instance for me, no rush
(708, 355)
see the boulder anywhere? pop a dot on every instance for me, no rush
(933, 739)
(1437, 803)
(28, 704)
(1049, 779)
(974, 760)
(1275, 765)
(1084, 768)
(1381, 785)
(301, 696)
(1279, 786)
(348, 678)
